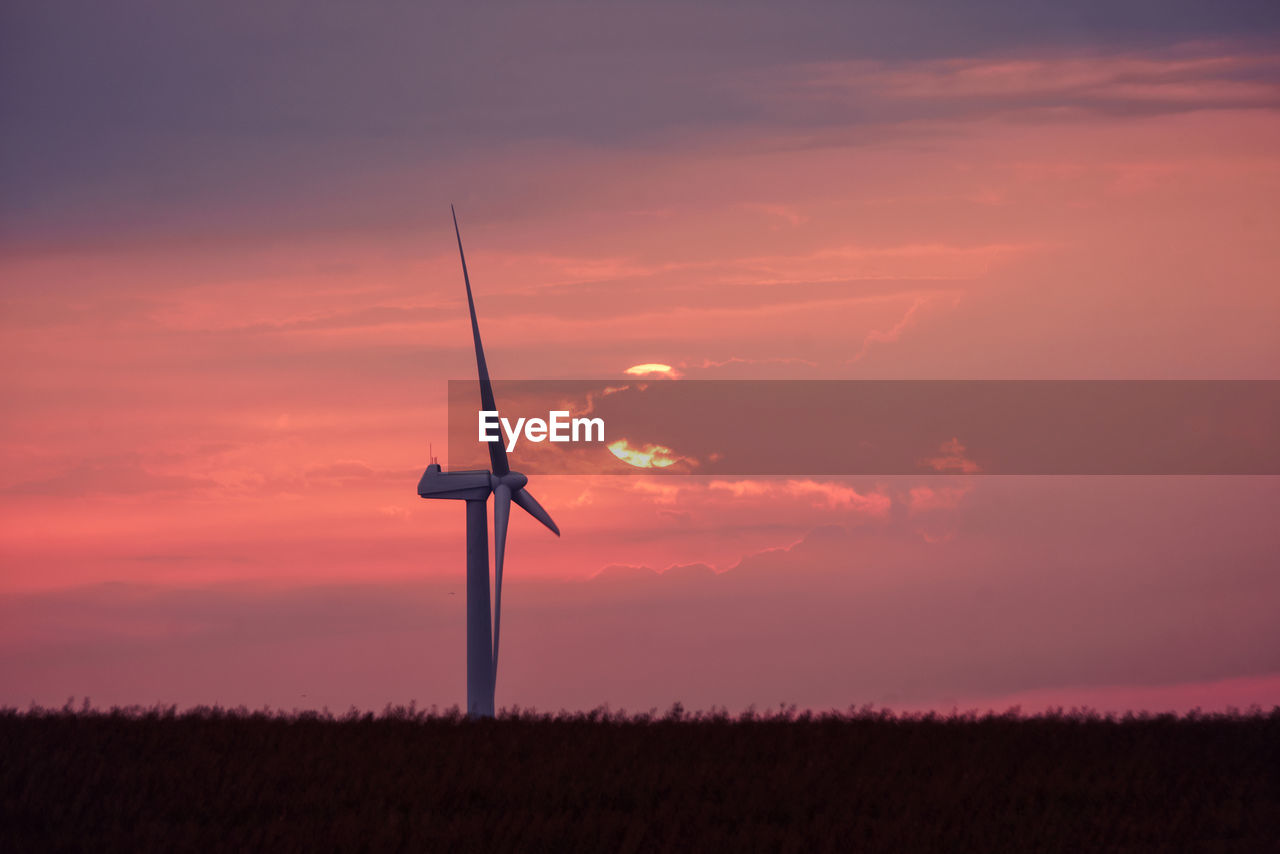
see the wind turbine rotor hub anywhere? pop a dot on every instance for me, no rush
(513, 480)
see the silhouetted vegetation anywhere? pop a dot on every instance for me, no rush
(156, 780)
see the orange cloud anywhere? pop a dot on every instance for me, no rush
(589, 406)
(660, 490)
(742, 360)
(832, 495)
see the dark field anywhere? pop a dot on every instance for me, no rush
(214, 780)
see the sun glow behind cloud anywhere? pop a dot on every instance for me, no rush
(653, 369)
(647, 456)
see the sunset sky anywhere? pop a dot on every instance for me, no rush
(230, 305)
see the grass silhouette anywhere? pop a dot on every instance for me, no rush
(213, 779)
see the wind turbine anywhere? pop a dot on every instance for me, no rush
(474, 487)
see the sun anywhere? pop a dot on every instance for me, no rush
(649, 369)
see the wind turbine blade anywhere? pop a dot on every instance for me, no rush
(527, 501)
(501, 513)
(497, 453)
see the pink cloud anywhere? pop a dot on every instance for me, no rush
(925, 498)
(1204, 79)
(832, 495)
(952, 459)
(876, 336)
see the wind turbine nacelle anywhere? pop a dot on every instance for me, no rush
(461, 485)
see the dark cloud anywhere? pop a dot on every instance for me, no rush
(145, 115)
